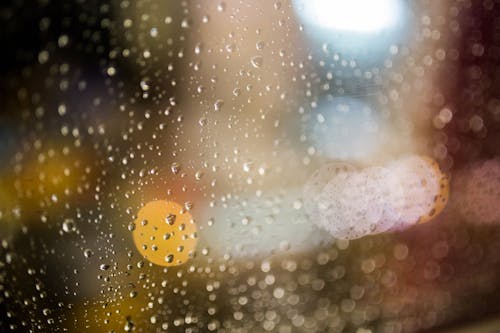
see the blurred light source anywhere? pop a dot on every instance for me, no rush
(362, 16)
(346, 129)
(363, 30)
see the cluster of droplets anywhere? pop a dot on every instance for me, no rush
(351, 203)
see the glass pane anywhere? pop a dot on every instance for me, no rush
(250, 166)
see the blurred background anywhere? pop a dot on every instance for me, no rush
(227, 108)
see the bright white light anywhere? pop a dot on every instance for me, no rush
(363, 16)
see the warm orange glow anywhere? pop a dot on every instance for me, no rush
(165, 233)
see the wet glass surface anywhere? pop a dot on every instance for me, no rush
(249, 166)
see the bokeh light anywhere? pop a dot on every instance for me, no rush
(165, 233)
(359, 16)
(351, 203)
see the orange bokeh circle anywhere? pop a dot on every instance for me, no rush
(165, 233)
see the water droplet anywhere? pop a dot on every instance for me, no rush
(129, 326)
(188, 205)
(88, 253)
(257, 61)
(185, 23)
(221, 7)
(202, 121)
(247, 166)
(218, 104)
(171, 219)
(175, 167)
(198, 48)
(103, 267)
(69, 225)
(61, 109)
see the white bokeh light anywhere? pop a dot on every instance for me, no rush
(361, 16)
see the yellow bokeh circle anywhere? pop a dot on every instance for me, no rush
(165, 233)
